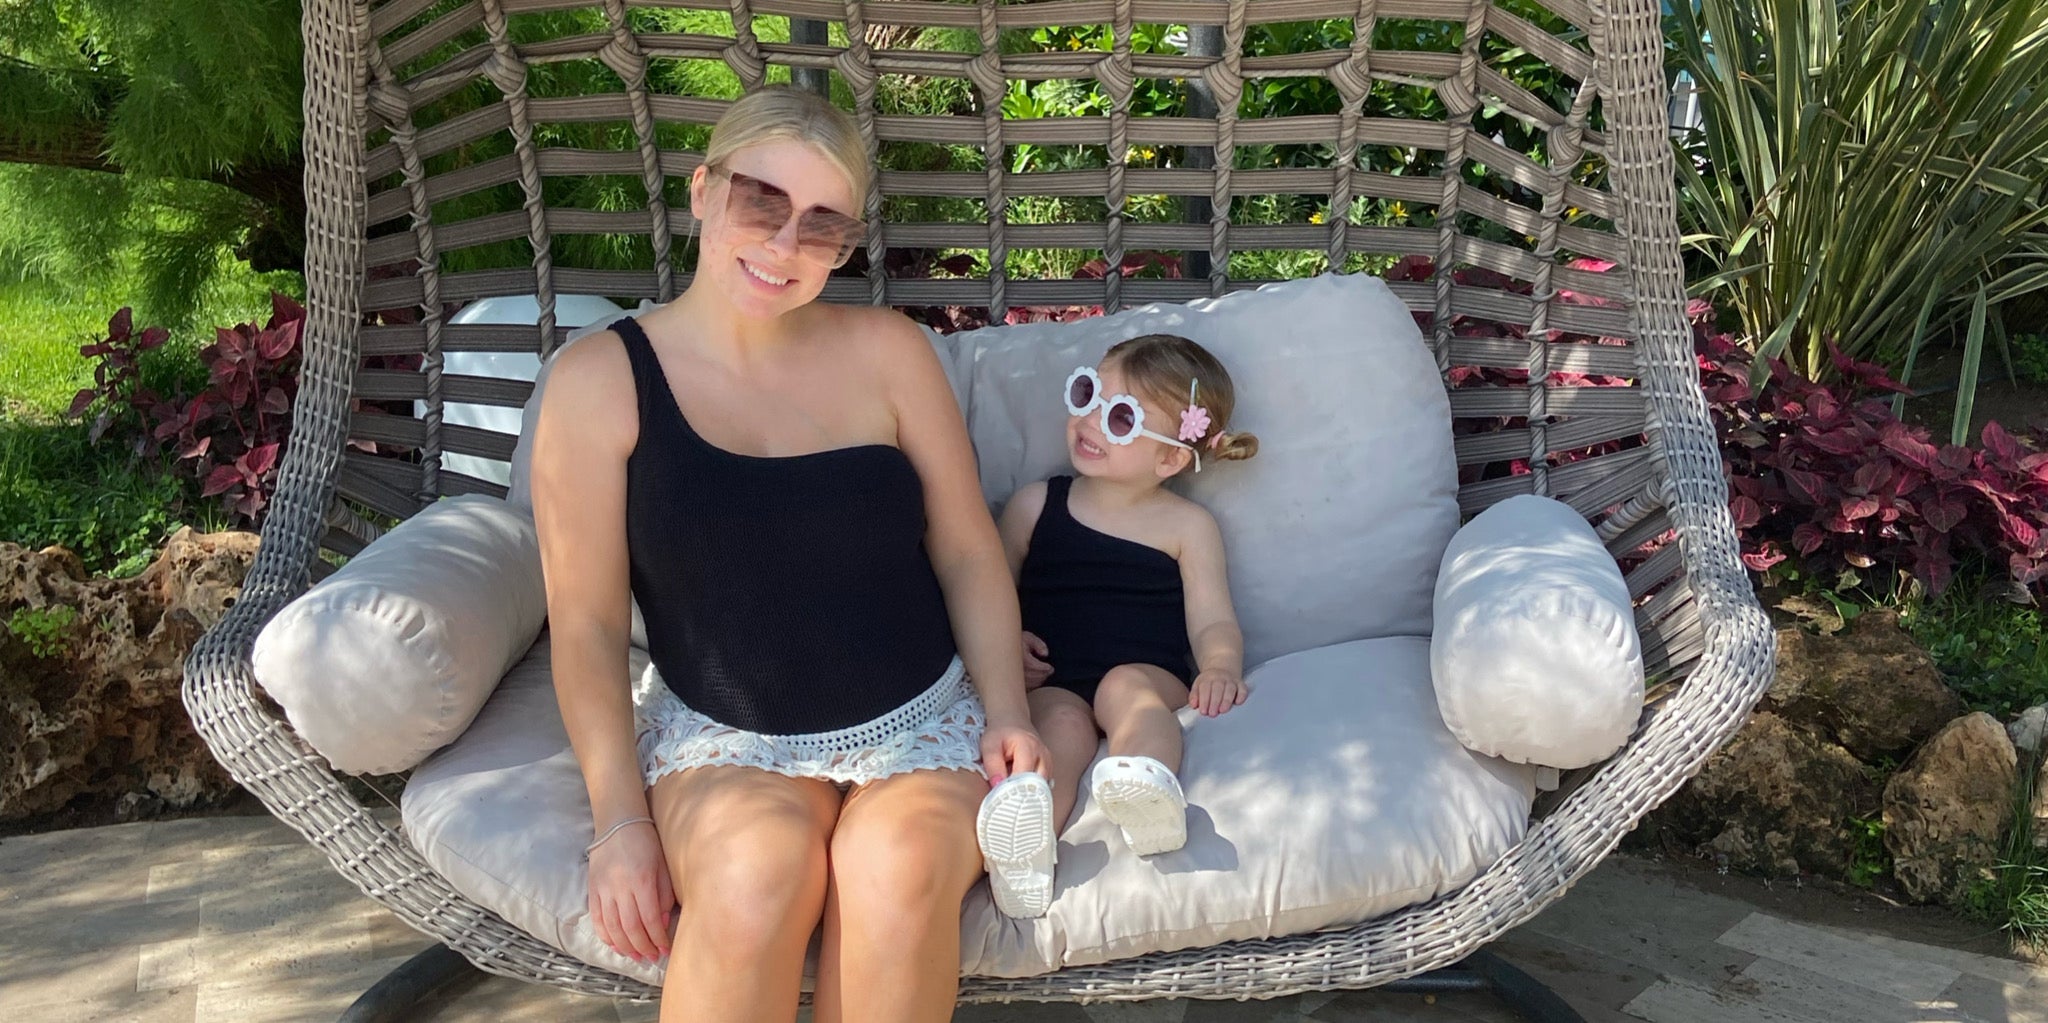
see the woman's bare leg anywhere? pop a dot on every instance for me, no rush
(1135, 705)
(902, 858)
(746, 850)
(1067, 725)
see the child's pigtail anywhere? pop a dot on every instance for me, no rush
(1233, 446)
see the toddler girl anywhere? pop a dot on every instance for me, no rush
(1127, 613)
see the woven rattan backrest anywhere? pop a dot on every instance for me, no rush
(1459, 147)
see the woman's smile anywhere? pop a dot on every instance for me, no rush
(763, 277)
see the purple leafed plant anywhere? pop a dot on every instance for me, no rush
(1827, 472)
(117, 400)
(230, 435)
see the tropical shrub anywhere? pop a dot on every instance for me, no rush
(1866, 169)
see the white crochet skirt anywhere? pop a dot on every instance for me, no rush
(938, 729)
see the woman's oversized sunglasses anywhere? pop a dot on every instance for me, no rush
(754, 206)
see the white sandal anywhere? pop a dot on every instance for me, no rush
(1014, 828)
(1145, 800)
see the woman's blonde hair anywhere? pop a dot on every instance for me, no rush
(1159, 367)
(778, 113)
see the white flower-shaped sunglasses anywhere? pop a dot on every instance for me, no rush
(1123, 418)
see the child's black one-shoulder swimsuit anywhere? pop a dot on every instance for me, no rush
(1099, 600)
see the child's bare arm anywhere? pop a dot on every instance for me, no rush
(1212, 620)
(1019, 518)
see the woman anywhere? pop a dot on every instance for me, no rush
(787, 488)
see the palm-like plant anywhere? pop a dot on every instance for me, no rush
(1868, 169)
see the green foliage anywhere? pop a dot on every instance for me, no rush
(42, 629)
(2025, 890)
(182, 88)
(2030, 358)
(1869, 861)
(1863, 164)
(196, 101)
(56, 488)
(1994, 653)
(2014, 895)
(167, 246)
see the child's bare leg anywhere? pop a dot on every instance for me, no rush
(1067, 725)
(1135, 705)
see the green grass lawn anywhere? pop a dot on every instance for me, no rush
(41, 332)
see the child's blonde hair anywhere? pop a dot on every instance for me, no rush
(1159, 367)
(777, 113)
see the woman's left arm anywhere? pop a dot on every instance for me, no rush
(1212, 620)
(961, 538)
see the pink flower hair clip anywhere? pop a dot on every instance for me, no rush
(1194, 421)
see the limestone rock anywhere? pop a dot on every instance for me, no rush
(1946, 811)
(1776, 800)
(93, 708)
(2029, 729)
(64, 560)
(1869, 688)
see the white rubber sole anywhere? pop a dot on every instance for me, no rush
(1018, 847)
(1143, 799)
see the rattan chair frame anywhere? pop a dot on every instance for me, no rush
(377, 170)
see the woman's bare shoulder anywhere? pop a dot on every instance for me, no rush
(590, 390)
(886, 347)
(884, 333)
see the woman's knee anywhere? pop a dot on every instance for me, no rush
(750, 866)
(908, 859)
(751, 901)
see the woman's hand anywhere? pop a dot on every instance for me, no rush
(1216, 691)
(1036, 668)
(1010, 747)
(631, 900)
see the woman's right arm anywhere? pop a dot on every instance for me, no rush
(587, 427)
(1020, 517)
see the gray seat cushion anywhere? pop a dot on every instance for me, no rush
(503, 815)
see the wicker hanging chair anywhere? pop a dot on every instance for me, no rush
(434, 131)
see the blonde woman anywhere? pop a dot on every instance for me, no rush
(787, 488)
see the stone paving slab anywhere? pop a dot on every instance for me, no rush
(237, 920)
